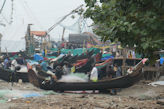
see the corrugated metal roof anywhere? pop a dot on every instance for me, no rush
(38, 33)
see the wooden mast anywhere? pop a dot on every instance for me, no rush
(0, 43)
(63, 34)
(29, 41)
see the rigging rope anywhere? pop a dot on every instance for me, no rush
(53, 26)
(75, 27)
(12, 11)
(4, 17)
(79, 26)
(11, 14)
(2, 6)
(29, 13)
(33, 15)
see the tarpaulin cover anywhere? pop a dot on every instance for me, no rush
(77, 51)
(51, 57)
(96, 50)
(38, 57)
(54, 49)
(106, 55)
(161, 61)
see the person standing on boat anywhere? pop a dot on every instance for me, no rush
(117, 71)
(130, 55)
(66, 70)
(58, 72)
(43, 53)
(117, 54)
(20, 60)
(94, 74)
(43, 65)
(69, 53)
(110, 72)
(7, 63)
(130, 70)
(59, 52)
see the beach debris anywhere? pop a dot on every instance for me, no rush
(160, 101)
(156, 83)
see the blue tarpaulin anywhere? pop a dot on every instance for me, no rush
(31, 95)
(106, 58)
(38, 57)
(161, 61)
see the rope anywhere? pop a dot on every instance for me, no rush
(11, 15)
(3, 16)
(74, 27)
(12, 11)
(33, 15)
(25, 9)
(53, 26)
(2, 6)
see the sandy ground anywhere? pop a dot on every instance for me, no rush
(139, 96)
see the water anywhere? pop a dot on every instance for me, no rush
(12, 46)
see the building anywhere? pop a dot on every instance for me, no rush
(81, 40)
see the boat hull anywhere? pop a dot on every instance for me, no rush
(119, 82)
(9, 76)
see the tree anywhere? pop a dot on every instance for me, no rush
(137, 23)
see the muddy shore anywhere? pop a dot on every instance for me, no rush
(139, 96)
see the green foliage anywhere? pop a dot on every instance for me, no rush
(132, 22)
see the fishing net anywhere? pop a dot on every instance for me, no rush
(74, 77)
(3, 94)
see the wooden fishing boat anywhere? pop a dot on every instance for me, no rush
(72, 59)
(12, 76)
(86, 67)
(75, 59)
(119, 82)
(84, 56)
(103, 64)
(80, 62)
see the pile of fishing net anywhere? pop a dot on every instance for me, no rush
(74, 77)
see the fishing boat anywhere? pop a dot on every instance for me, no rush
(86, 67)
(13, 76)
(119, 82)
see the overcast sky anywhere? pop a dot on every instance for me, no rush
(42, 13)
